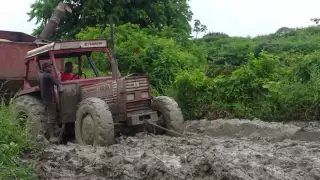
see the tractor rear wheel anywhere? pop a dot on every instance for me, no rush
(169, 113)
(94, 124)
(30, 113)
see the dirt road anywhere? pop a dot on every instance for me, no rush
(216, 150)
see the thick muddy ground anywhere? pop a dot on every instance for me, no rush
(216, 150)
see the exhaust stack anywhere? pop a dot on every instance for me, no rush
(53, 22)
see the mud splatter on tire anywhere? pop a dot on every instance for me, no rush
(101, 123)
(33, 109)
(171, 113)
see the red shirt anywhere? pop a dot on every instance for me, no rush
(67, 77)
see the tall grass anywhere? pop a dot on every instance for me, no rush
(14, 141)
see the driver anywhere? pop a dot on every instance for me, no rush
(68, 72)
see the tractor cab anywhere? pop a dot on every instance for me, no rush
(79, 51)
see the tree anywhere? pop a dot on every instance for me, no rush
(198, 27)
(315, 20)
(152, 13)
(285, 31)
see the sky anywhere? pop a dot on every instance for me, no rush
(233, 17)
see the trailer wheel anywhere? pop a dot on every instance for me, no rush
(169, 113)
(30, 113)
(94, 124)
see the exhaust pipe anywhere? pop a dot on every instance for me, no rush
(54, 21)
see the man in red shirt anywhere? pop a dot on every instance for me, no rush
(67, 74)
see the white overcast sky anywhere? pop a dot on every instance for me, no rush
(234, 17)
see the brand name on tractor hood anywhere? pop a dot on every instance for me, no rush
(93, 43)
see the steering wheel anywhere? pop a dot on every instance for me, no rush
(78, 74)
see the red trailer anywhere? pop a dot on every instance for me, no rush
(13, 48)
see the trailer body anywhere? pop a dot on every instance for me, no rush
(13, 49)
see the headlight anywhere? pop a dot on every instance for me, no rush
(144, 95)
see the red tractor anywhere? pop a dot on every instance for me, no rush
(95, 108)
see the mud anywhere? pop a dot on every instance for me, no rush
(216, 150)
(256, 129)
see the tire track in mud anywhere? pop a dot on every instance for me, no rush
(210, 154)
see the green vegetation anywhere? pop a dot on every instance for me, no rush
(271, 77)
(13, 142)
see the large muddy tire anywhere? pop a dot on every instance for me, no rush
(30, 112)
(170, 115)
(94, 124)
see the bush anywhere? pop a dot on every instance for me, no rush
(297, 95)
(13, 142)
(240, 94)
(194, 93)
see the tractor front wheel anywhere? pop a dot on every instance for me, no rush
(94, 124)
(169, 113)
